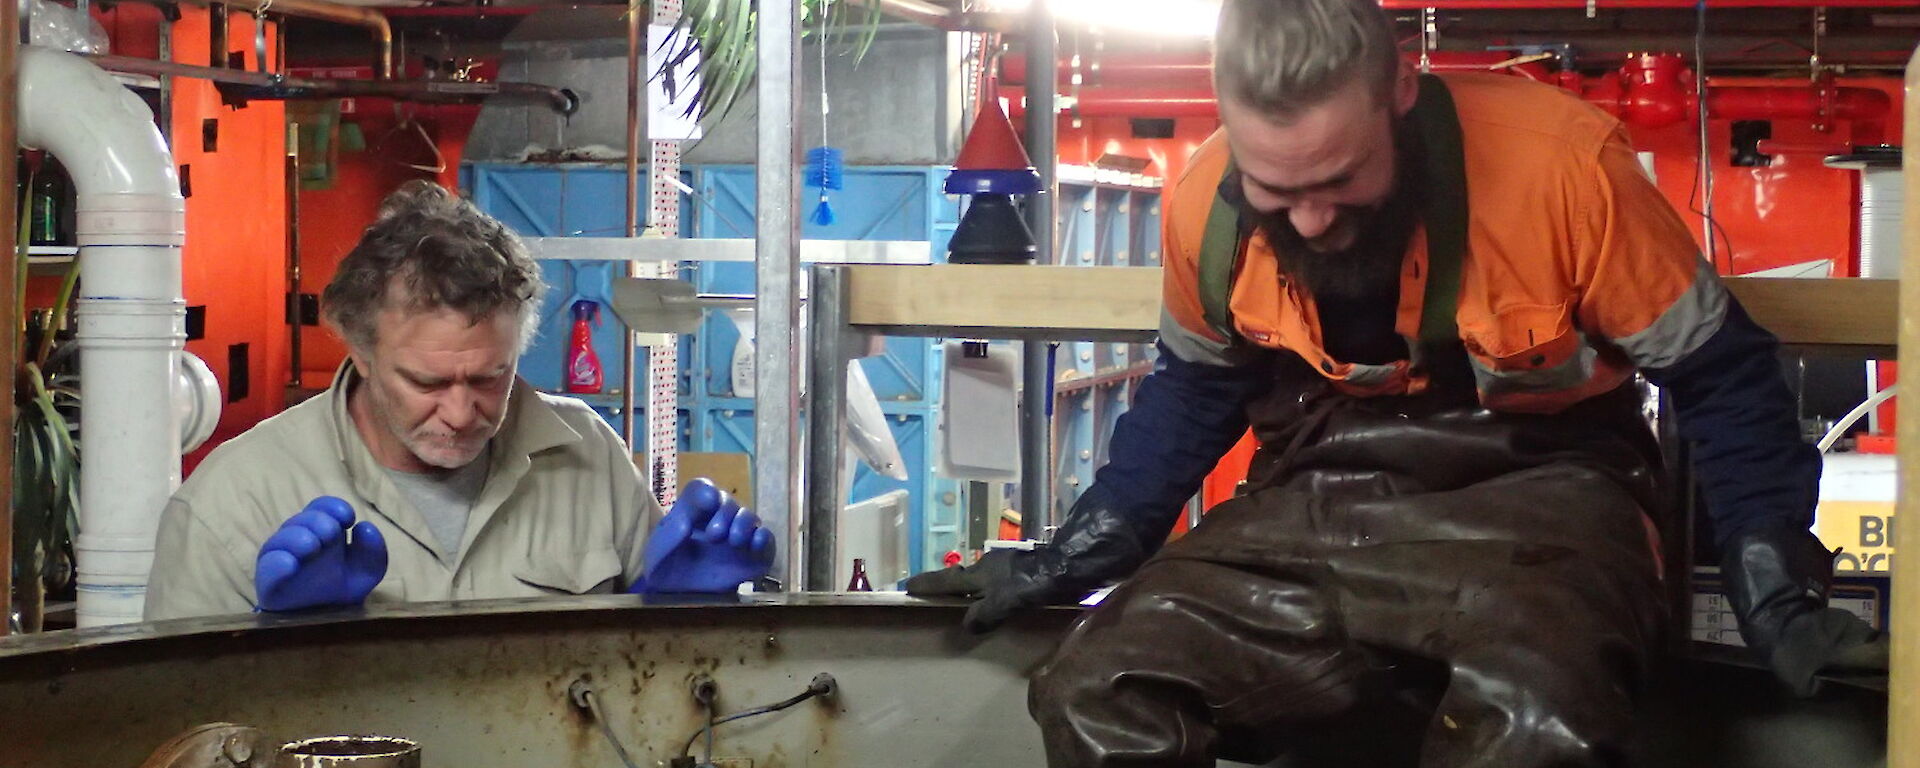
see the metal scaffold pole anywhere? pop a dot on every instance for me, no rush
(776, 306)
(1036, 419)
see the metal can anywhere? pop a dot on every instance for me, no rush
(349, 752)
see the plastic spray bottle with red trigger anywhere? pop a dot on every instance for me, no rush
(583, 366)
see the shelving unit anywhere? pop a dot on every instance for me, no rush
(1103, 222)
(50, 260)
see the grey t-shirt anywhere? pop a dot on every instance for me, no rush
(445, 500)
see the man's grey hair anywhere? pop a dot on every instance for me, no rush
(1281, 57)
(439, 252)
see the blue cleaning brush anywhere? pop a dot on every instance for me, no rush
(826, 170)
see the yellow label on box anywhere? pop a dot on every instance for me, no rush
(1862, 532)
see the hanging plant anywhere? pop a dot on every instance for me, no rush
(46, 457)
(722, 34)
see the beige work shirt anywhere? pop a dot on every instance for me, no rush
(564, 509)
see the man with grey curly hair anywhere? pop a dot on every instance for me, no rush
(429, 470)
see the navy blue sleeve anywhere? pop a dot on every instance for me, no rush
(1184, 417)
(1737, 415)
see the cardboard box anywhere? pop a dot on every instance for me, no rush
(1714, 622)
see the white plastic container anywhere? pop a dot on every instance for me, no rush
(1855, 514)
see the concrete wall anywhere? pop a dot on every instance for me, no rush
(893, 107)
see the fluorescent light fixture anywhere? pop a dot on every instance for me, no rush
(1166, 18)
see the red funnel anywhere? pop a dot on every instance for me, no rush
(992, 144)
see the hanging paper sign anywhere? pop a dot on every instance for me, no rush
(670, 112)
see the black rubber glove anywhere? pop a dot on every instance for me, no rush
(1097, 544)
(1777, 576)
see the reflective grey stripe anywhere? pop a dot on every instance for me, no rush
(1688, 323)
(1195, 348)
(1369, 375)
(1565, 376)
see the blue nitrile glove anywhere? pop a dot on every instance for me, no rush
(706, 543)
(312, 561)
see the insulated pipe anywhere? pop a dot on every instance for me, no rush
(130, 224)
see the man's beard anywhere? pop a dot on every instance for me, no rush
(1370, 265)
(435, 447)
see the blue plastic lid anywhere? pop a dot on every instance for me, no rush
(964, 181)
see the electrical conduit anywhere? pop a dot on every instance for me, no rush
(130, 225)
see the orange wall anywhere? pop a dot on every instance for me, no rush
(1792, 211)
(234, 262)
(332, 219)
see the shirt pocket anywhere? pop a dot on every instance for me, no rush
(577, 573)
(1523, 338)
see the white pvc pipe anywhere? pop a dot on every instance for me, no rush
(1882, 191)
(1839, 429)
(131, 223)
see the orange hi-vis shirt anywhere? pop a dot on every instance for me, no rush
(1576, 269)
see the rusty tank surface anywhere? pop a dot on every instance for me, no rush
(541, 683)
(481, 684)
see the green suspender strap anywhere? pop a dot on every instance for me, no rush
(1446, 213)
(1220, 248)
(1446, 218)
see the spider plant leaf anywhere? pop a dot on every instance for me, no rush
(29, 492)
(22, 246)
(869, 30)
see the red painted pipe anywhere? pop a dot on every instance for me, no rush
(1122, 102)
(1778, 147)
(1798, 103)
(1517, 5)
(1651, 91)
(1194, 69)
(473, 11)
(1183, 68)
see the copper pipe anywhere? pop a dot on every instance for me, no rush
(628, 360)
(350, 15)
(9, 345)
(1903, 689)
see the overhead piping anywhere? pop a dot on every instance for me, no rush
(320, 10)
(373, 20)
(1650, 91)
(243, 84)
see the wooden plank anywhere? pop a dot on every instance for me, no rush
(1050, 299)
(1903, 689)
(1839, 311)
(1063, 300)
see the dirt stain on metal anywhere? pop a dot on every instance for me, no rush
(580, 736)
